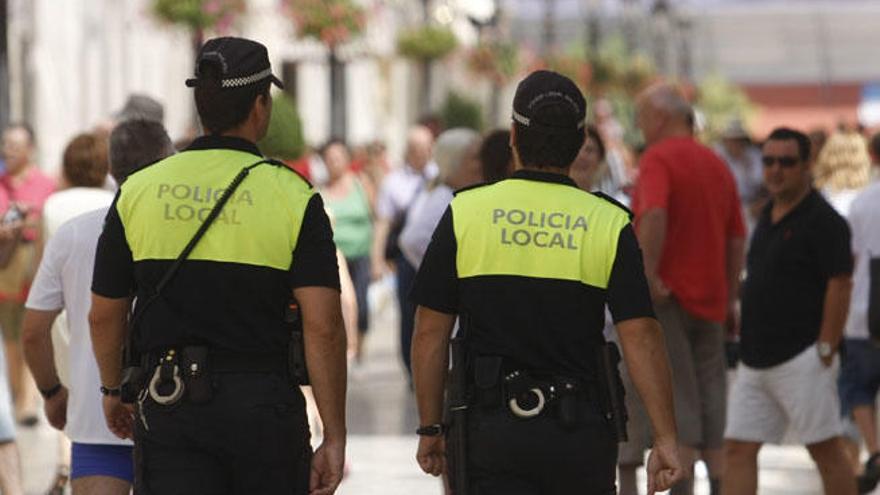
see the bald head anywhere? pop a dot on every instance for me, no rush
(663, 112)
(418, 147)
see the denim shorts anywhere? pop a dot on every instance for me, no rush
(102, 460)
(859, 374)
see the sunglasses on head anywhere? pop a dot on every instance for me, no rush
(784, 161)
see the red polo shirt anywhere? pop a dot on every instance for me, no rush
(699, 195)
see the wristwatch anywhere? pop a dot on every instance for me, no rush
(434, 430)
(112, 392)
(51, 392)
(825, 350)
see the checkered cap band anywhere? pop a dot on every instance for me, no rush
(237, 82)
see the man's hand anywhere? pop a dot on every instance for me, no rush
(732, 322)
(432, 455)
(328, 464)
(664, 467)
(119, 416)
(56, 409)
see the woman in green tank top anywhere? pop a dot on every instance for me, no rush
(349, 197)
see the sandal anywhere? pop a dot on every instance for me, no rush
(868, 480)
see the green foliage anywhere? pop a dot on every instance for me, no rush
(426, 43)
(721, 101)
(460, 111)
(198, 14)
(284, 139)
(332, 22)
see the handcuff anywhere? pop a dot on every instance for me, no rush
(167, 371)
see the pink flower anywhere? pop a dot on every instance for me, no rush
(212, 7)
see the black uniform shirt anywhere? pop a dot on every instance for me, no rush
(789, 264)
(229, 306)
(542, 324)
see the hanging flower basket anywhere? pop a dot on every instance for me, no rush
(332, 22)
(496, 60)
(199, 14)
(426, 43)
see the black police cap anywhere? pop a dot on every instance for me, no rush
(549, 102)
(241, 61)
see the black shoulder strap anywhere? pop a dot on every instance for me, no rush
(169, 275)
(215, 212)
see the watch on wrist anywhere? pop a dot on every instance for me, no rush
(51, 392)
(112, 392)
(434, 430)
(825, 350)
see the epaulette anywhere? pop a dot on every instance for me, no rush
(279, 163)
(472, 186)
(600, 194)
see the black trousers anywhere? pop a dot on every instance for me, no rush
(251, 438)
(512, 456)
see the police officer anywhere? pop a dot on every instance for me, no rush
(527, 265)
(218, 412)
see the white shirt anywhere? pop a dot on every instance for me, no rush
(864, 220)
(422, 219)
(69, 203)
(64, 281)
(400, 188)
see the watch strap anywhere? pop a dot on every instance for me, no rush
(112, 392)
(49, 393)
(434, 430)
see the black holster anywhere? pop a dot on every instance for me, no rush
(612, 391)
(296, 349)
(196, 370)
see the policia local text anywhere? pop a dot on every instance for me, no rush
(197, 194)
(557, 221)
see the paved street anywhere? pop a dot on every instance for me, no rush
(381, 448)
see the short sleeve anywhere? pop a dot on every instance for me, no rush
(855, 223)
(314, 258)
(114, 265)
(47, 290)
(832, 242)
(653, 184)
(628, 295)
(436, 283)
(385, 209)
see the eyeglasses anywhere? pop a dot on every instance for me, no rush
(784, 161)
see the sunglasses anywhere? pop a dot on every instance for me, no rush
(784, 161)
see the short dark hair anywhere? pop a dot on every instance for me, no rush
(84, 163)
(330, 142)
(221, 109)
(593, 133)
(788, 134)
(874, 146)
(496, 156)
(547, 150)
(136, 143)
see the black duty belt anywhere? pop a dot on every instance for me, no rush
(228, 362)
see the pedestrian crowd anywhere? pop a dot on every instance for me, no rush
(761, 256)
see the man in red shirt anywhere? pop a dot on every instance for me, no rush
(690, 227)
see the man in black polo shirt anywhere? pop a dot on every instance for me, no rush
(794, 306)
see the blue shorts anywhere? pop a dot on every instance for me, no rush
(102, 460)
(859, 374)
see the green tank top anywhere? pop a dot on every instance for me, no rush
(353, 229)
